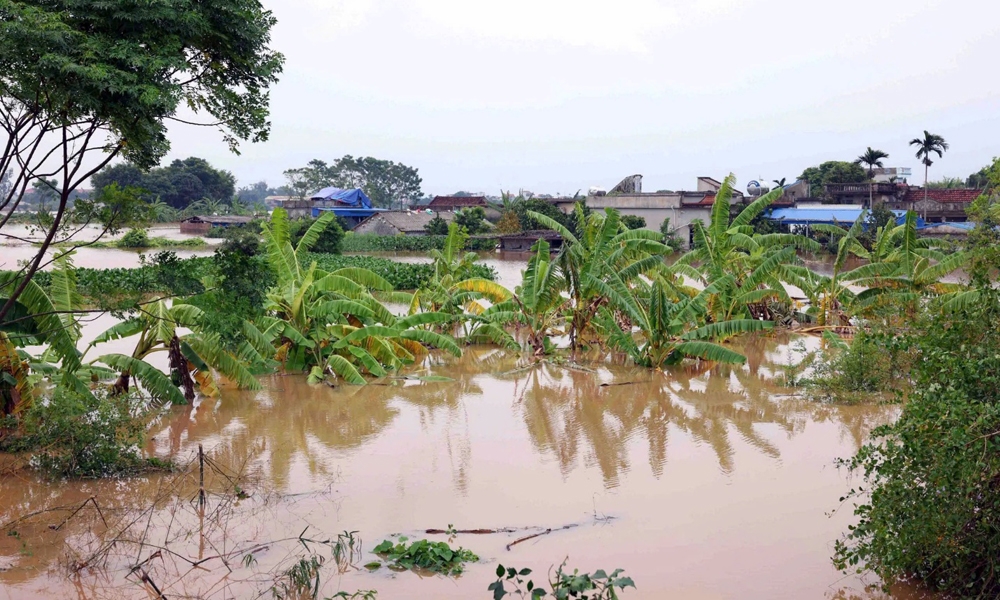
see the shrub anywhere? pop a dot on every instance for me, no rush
(633, 222)
(80, 435)
(329, 241)
(134, 238)
(930, 506)
(473, 219)
(372, 242)
(436, 226)
(670, 236)
(402, 276)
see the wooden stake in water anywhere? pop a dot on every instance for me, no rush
(201, 476)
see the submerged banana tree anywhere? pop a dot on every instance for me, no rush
(16, 387)
(670, 330)
(757, 263)
(191, 356)
(904, 269)
(604, 246)
(536, 308)
(453, 291)
(331, 322)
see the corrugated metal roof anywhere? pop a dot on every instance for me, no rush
(831, 215)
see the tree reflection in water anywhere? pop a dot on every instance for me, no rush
(572, 413)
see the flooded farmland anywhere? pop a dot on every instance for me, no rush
(701, 483)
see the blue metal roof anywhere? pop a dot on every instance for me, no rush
(830, 215)
(360, 213)
(962, 225)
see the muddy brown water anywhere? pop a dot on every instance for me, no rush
(701, 484)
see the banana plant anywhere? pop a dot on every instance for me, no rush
(452, 290)
(757, 263)
(537, 305)
(192, 356)
(670, 330)
(331, 323)
(604, 246)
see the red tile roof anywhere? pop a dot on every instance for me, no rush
(450, 201)
(961, 195)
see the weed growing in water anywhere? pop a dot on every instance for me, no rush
(598, 585)
(432, 556)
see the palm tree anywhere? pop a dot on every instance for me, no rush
(930, 144)
(871, 158)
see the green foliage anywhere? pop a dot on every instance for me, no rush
(525, 207)
(833, 171)
(178, 185)
(176, 52)
(876, 361)
(633, 222)
(237, 289)
(749, 267)
(871, 159)
(880, 217)
(134, 238)
(930, 502)
(85, 435)
(329, 241)
(670, 238)
(372, 242)
(402, 276)
(437, 557)
(598, 585)
(436, 226)
(387, 183)
(473, 219)
(947, 183)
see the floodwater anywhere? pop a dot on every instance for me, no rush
(14, 251)
(700, 483)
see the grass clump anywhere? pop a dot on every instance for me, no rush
(438, 557)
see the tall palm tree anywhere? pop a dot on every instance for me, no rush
(871, 158)
(931, 143)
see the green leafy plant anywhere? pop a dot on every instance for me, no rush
(85, 435)
(438, 557)
(598, 585)
(134, 238)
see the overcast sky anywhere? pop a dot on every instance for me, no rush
(559, 95)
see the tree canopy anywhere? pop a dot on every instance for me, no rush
(833, 171)
(82, 82)
(386, 182)
(179, 184)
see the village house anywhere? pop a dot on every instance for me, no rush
(682, 208)
(202, 224)
(399, 222)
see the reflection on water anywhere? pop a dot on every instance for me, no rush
(718, 482)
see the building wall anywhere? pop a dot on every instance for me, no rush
(377, 226)
(654, 208)
(195, 228)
